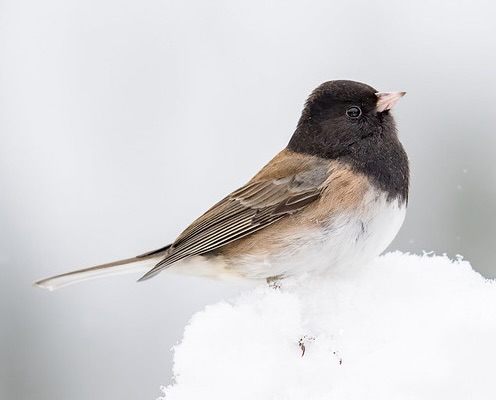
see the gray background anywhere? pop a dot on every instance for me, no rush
(122, 121)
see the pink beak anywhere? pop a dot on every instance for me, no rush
(387, 100)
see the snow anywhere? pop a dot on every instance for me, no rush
(403, 327)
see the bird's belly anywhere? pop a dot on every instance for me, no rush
(340, 243)
(343, 242)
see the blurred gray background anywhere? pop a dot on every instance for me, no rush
(122, 121)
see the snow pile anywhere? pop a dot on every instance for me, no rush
(404, 327)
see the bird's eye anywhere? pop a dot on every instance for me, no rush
(353, 112)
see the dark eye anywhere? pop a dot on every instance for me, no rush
(353, 112)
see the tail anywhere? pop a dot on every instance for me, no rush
(135, 264)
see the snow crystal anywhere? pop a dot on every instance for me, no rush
(403, 327)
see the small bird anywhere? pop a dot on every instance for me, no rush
(334, 198)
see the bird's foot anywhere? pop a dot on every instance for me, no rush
(274, 282)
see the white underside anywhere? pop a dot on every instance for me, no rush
(345, 242)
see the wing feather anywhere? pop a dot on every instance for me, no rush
(245, 211)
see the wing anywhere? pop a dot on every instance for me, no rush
(254, 206)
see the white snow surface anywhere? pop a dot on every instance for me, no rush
(403, 327)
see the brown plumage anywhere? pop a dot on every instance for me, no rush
(268, 205)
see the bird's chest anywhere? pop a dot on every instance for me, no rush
(344, 241)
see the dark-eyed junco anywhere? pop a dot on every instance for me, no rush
(335, 197)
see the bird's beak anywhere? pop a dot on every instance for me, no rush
(387, 100)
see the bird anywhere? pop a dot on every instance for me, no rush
(333, 199)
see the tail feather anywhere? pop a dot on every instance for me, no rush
(135, 264)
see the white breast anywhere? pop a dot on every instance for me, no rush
(346, 241)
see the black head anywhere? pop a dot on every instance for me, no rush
(351, 121)
(337, 115)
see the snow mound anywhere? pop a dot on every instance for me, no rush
(404, 327)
